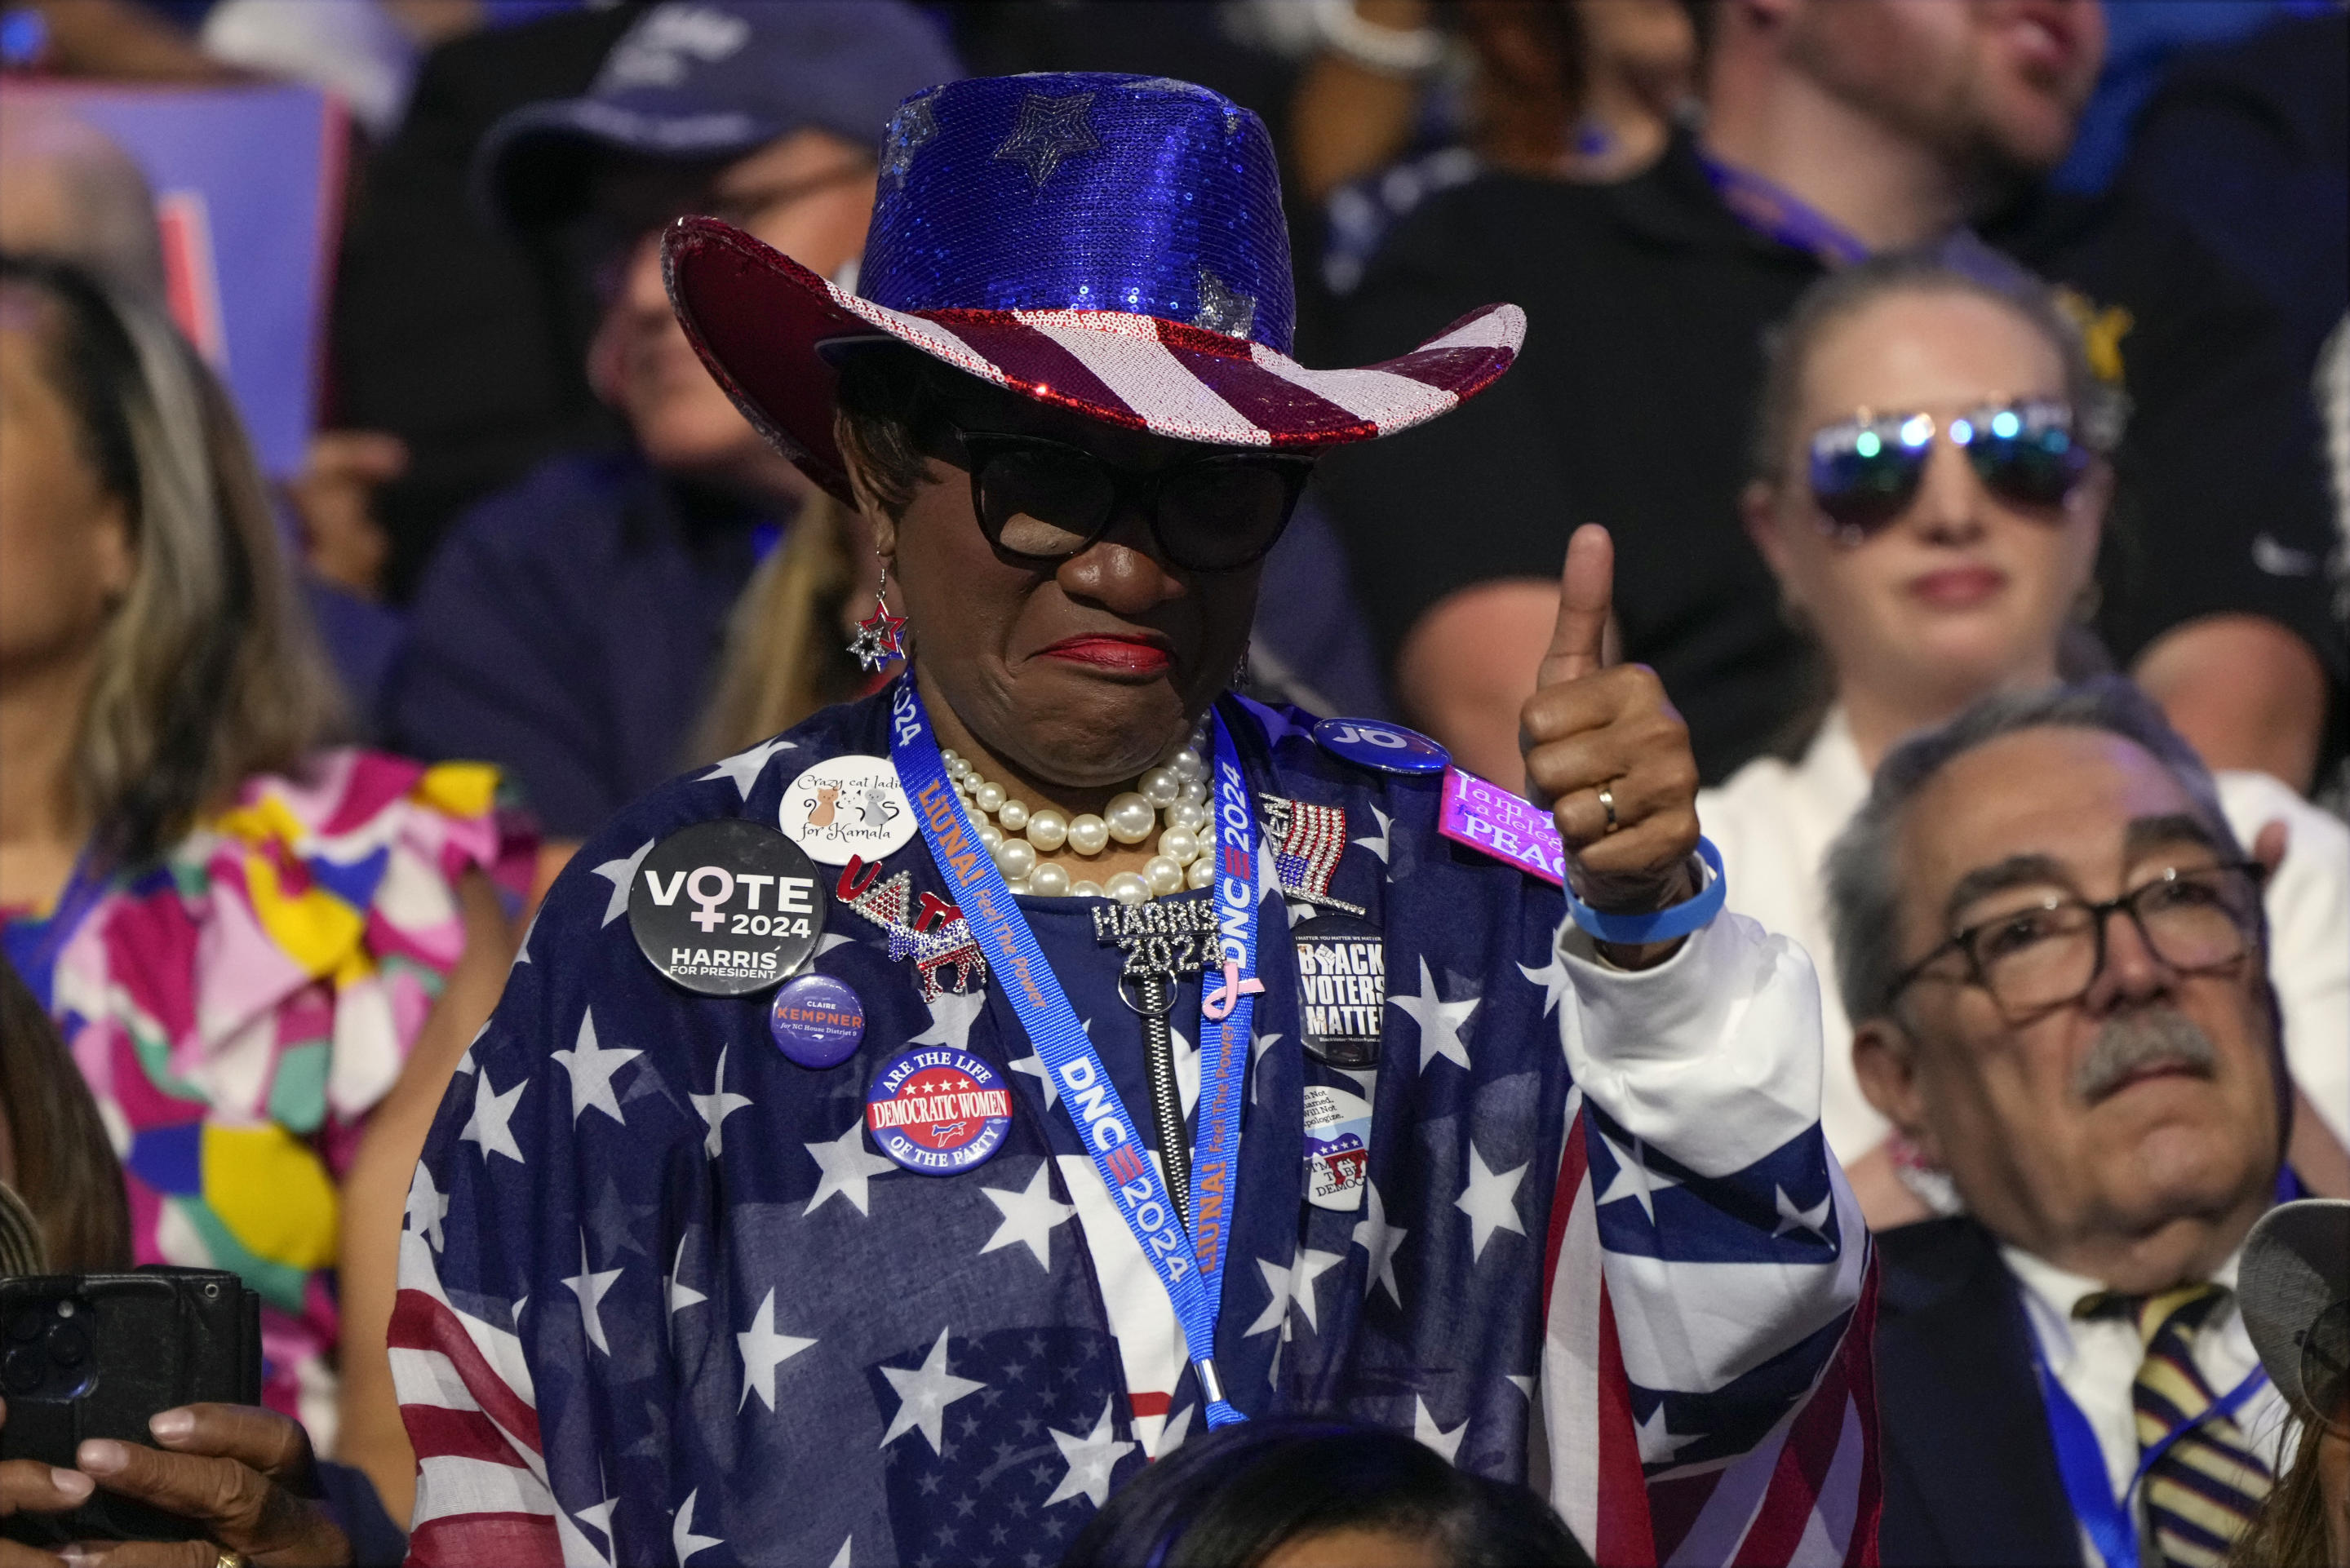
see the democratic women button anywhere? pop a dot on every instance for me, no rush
(939, 1111)
(816, 1020)
(726, 907)
(1390, 748)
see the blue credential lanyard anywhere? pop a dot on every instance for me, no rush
(2081, 1462)
(1190, 1268)
(1782, 214)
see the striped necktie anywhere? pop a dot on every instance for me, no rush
(2208, 1484)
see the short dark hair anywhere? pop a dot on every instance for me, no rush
(1863, 892)
(1229, 1499)
(1960, 264)
(888, 398)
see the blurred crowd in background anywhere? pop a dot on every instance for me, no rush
(369, 532)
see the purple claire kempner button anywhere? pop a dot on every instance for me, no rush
(816, 1020)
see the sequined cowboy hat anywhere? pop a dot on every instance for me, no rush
(1113, 245)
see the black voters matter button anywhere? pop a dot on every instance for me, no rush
(1342, 989)
(726, 907)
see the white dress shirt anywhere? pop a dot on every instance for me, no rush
(2095, 1360)
(1774, 822)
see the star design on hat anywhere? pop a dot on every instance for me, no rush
(879, 637)
(909, 127)
(1049, 129)
(1222, 309)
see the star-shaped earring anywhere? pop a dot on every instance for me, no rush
(879, 636)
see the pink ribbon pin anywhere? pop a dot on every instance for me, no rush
(1219, 1003)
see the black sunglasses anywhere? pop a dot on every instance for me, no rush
(1045, 501)
(1866, 470)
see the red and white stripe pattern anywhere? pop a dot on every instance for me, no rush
(481, 1495)
(1197, 385)
(757, 318)
(1809, 1493)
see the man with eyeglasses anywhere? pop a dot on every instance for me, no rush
(567, 628)
(2054, 949)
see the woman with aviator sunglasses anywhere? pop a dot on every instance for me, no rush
(1930, 483)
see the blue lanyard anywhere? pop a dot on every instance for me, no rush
(1775, 210)
(2081, 1462)
(34, 946)
(1189, 1268)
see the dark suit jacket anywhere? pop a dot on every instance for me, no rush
(1969, 1471)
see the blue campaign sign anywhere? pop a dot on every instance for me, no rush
(248, 186)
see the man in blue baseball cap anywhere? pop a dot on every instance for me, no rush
(567, 627)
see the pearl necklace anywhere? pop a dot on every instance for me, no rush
(1171, 798)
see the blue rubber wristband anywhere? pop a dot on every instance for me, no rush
(1665, 925)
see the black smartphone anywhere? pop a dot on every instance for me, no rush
(95, 1356)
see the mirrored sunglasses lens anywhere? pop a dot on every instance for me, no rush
(2027, 453)
(1040, 503)
(1218, 516)
(1863, 476)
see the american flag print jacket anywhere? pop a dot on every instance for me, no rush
(660, 1300)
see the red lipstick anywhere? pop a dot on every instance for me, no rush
(1113, 655)
(1958, 588)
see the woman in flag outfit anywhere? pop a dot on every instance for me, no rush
(1144, 1059)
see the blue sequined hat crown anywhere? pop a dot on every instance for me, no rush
(1140, 194)
(1110, 244)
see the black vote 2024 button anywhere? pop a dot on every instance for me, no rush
(726, 907)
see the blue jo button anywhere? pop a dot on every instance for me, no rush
(1390, 748)
(816, 1020)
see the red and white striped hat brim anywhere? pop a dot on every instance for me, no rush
(759, 322)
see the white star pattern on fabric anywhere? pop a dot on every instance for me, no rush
(849, 1170)
(1377, 843)
(840, 1558)
(589, 1285)
(1425, 1430)
(715, 1106)
(1491, 1202)
(682, 1538)
(1291, 1285)
(591, 1069)
(522, 948)
(675, 1290)
(952, 1016)
(1552, 977)
(1633, 1180)
(764, 1350)
(1049, 129)
(1814, 1219)
(744, 767)
(924, 1393)
(1658, 1446)
(488, 1125)
(578, 1548)
(1439, 1021)
(427, 1208)
(831, 939)
(1091, 1459)
(1374, 1235)
(1034, 1065)
(1523, 1382)
(619, 874)
(1029, 1216)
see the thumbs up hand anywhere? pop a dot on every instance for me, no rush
(1608, 753)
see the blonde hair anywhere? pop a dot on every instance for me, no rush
(209, 671)
(783, 657)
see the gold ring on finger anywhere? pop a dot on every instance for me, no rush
(228, 1558)
(1607, 804)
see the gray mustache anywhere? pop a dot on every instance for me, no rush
(2126, 1045)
